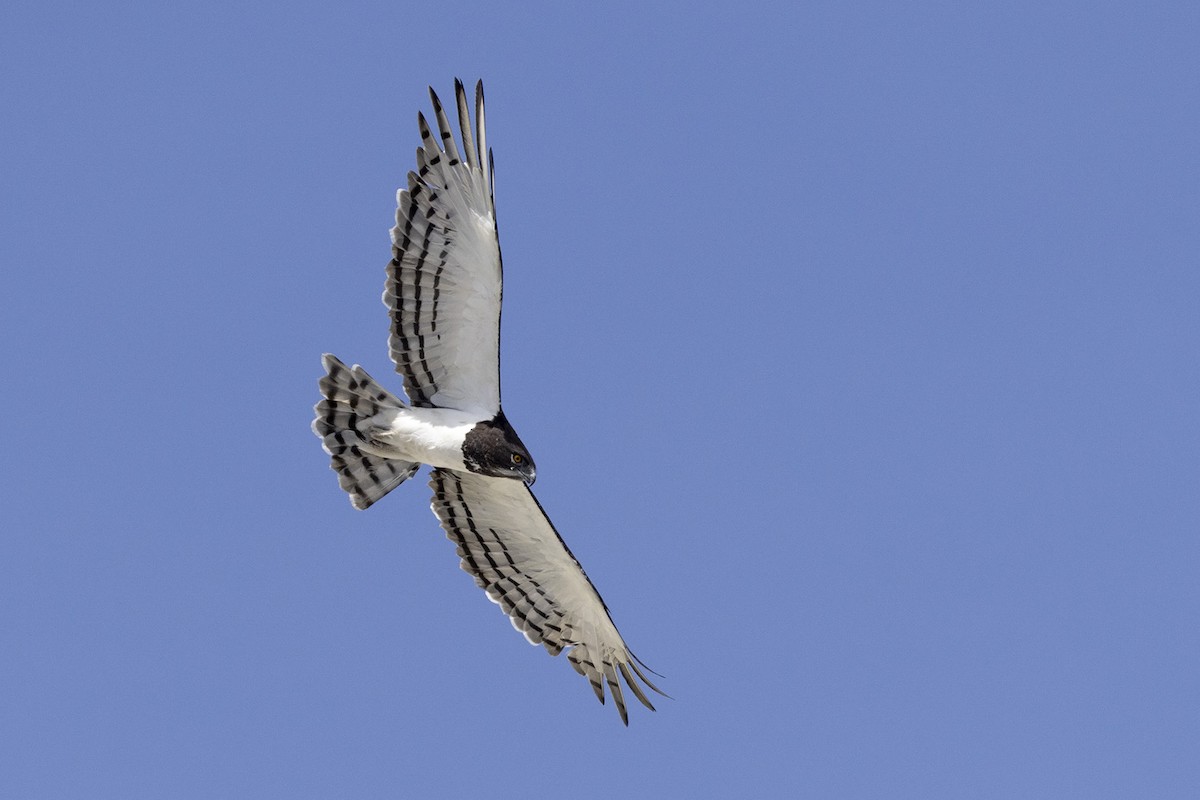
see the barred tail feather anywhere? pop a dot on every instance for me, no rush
(352, 397)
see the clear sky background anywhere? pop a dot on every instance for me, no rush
(856, 343)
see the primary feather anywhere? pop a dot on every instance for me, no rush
(443, 294)
(507, 542)
(444, 282)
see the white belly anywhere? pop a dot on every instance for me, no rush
(432, 436)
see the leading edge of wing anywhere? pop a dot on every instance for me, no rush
(508, 544)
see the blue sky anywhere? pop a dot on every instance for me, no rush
(856, 344)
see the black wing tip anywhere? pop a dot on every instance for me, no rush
(611, 675)
(638, 671)
(460, 90)
(646, 667)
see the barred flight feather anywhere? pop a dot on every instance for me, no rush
(443, 293)
(444, 281)
(508, 544)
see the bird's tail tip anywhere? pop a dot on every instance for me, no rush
(351, 398)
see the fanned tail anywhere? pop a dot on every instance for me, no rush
(352, 398)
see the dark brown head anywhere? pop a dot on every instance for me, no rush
(493, 448)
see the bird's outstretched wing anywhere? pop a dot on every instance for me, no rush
(508, 544)
(444, 281)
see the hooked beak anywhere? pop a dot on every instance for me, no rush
(529, 474)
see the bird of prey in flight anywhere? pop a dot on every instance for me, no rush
(443, 298)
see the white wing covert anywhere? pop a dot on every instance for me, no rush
(509, 545)
(445, 279)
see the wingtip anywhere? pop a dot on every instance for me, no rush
(638, 671)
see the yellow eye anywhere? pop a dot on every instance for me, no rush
(517, 458)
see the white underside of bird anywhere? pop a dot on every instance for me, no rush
(443, 294)
(432, 436)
